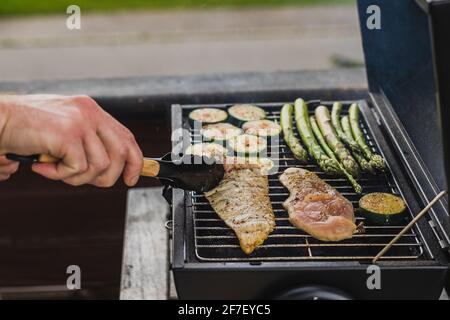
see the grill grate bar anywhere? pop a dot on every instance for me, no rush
(274, 194)
(322, 245)
(310, 257)
(294, 228)
(301, 236)
(276, 203)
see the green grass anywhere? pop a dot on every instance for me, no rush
(33, 7)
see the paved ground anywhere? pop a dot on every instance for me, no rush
(178, 42)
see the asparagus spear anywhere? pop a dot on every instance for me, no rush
(324, 121)
(335, 116)
(348, 140)
(316, 130)
(375, 160)
(345, 123)
(288, 133)
(326, 148)
(328, 165)
(364, 164)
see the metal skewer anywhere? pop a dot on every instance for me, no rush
(409, 226)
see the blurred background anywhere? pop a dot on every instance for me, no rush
(175, 37)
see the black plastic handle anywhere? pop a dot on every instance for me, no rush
(22, 159)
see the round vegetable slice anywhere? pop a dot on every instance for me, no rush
(241, 113)
(382, 208)
(210, 150)
(247, 145)
(266, 164)
(208, 115)
(219, 132)
(262, 128)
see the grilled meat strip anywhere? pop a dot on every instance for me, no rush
(317, 208)
(242, 201)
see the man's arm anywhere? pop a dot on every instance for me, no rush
(94, 148)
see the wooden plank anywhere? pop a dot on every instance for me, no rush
(145, 263)
(172, 290)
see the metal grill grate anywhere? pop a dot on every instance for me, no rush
(214, 241)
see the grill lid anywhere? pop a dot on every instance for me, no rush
(405, 64)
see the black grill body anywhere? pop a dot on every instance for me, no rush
(208, 263)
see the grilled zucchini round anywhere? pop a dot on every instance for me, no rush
(210, 150)
(241, 113)
(266, 164)
(208, 115)
(262, 128)
(382, 208)
(248, 145)
(219, 132)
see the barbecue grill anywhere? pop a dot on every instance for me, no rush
(206, 258)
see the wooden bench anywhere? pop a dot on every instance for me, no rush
(145, 266)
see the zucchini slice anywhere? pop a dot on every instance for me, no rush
(219, 132)
(267, 165)
(382, 208)
(241, 113)
(248, 145)
(208, 115)
(210, 150)
(262, 128)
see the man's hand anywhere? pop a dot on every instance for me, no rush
(7, 168)
(94, 148)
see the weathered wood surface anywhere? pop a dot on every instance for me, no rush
(145, 259)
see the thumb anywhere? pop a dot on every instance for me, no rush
(74, 163)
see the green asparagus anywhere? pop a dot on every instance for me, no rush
(328, 165)
(335, 116)
(326, 148)
(343, 155)
(316, 130)
(354, 147)
(293, 143)
(375, 160)
(363, 163)
(345, 123)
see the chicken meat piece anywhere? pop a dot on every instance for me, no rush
(317, 208)
(242, 201)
